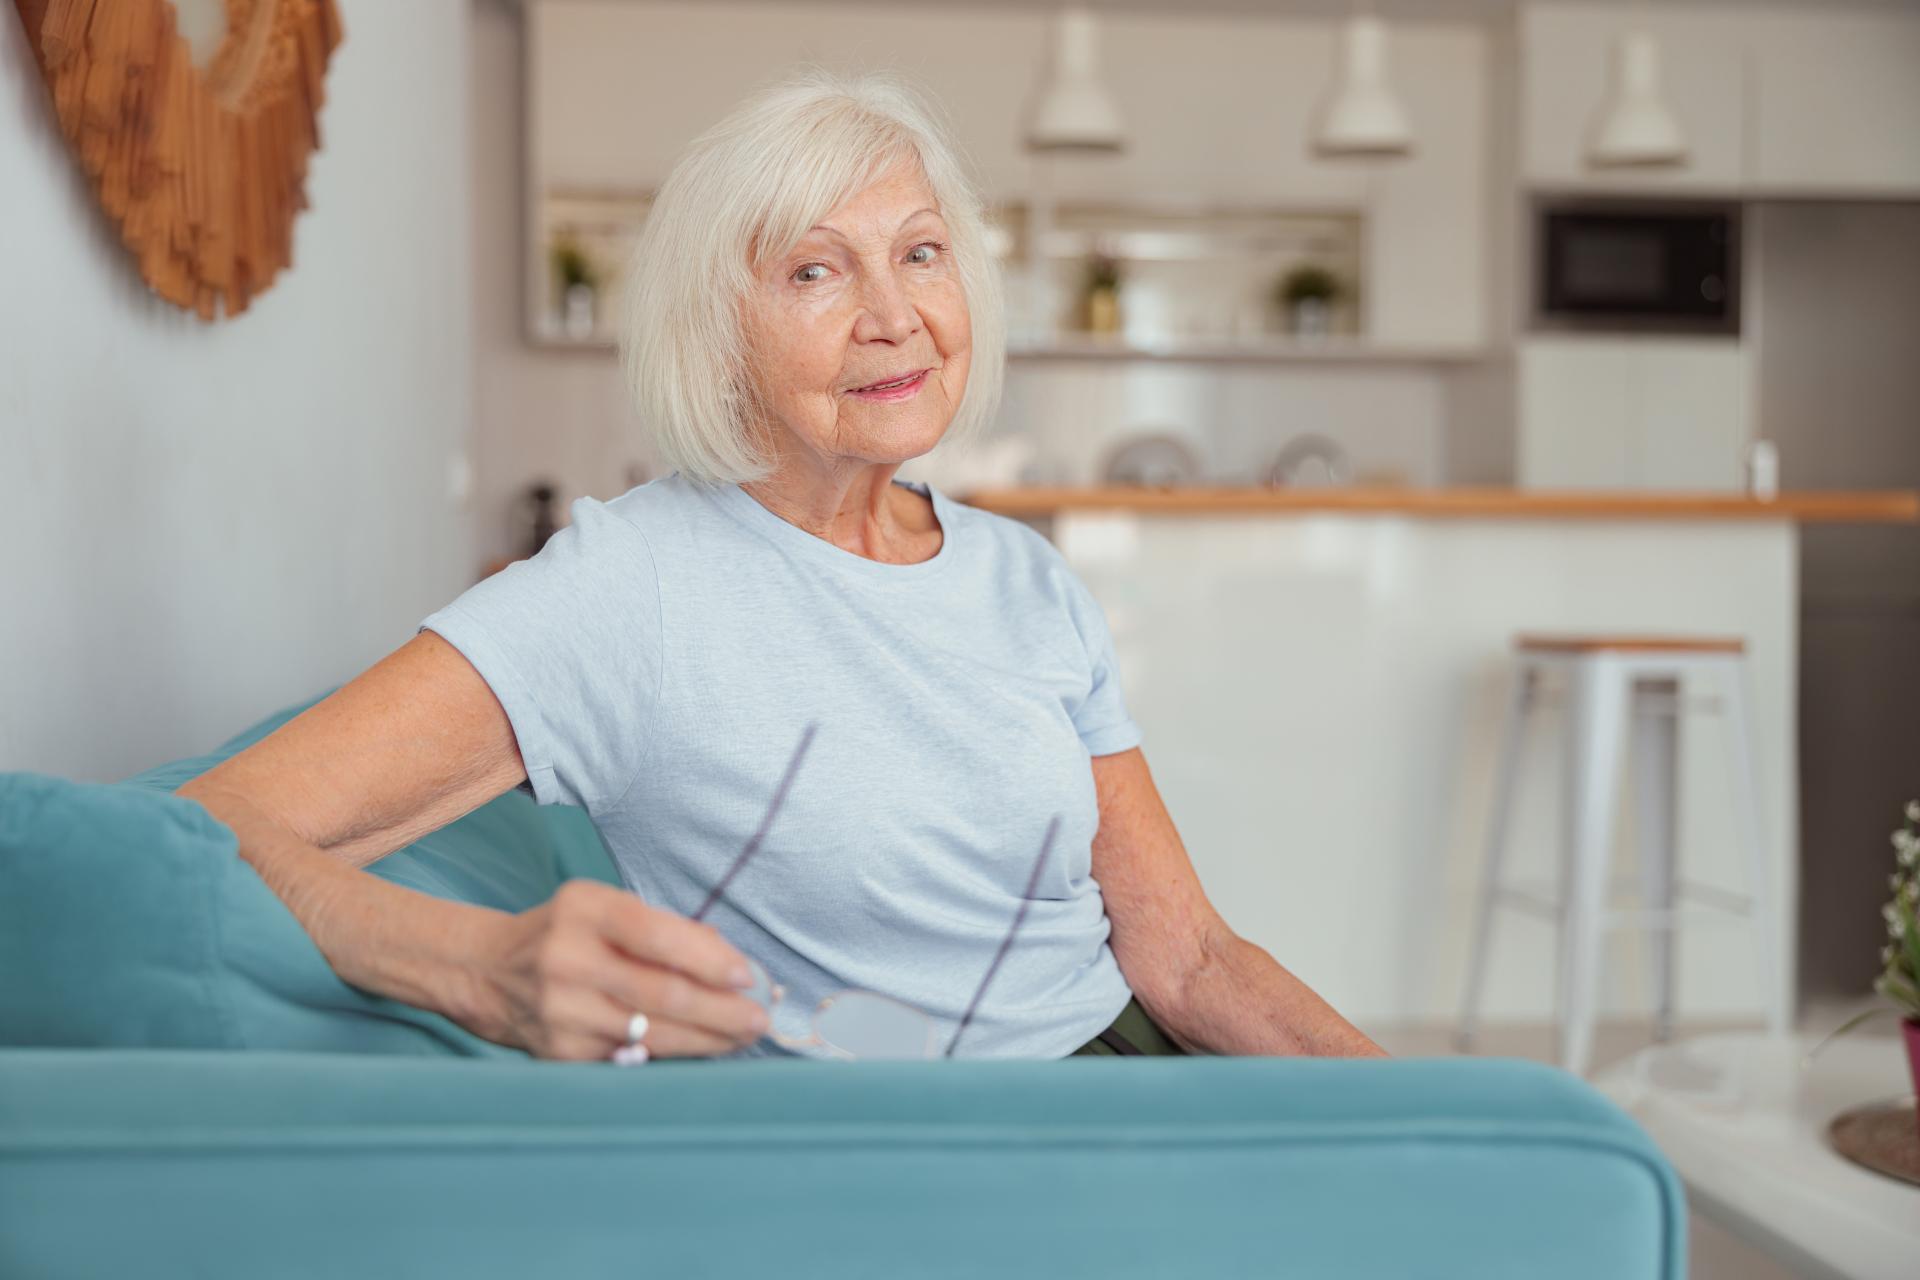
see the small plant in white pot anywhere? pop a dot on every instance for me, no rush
(1307, 294)
(579, 282)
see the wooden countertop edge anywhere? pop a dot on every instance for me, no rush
(1895, 506)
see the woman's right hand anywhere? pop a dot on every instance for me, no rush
(563, 980)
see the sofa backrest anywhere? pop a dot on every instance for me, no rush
(128, 918)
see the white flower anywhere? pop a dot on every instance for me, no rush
(1895, 926)
(1904, 840)
(1908, 857)
(1913, 811)
(1912, 891)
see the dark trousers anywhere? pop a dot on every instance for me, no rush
(1133, 1032)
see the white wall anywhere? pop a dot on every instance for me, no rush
(542, 413)
(203, 523)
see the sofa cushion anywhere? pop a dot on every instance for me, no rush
(128, 918)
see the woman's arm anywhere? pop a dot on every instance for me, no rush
(408, 746)
(1208, 988)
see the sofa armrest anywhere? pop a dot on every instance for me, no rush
(328, 1164)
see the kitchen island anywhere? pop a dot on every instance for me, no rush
(1319, 674)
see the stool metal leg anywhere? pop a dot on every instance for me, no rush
(1752, 828)
(1595, 725)
(1512, 752)
(1655, 759)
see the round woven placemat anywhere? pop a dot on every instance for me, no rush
(1883, 1136)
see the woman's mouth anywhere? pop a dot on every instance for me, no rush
(898, 389)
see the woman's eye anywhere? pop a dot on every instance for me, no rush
(804, 278)
(933, 251)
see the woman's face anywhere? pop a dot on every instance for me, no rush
(869, 295)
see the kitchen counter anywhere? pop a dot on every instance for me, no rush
(1321, 694)
(1869, 507)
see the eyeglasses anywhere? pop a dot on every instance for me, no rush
(863, 1024)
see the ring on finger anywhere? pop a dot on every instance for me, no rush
(636, 1028)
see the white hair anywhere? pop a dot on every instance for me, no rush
(748, 189)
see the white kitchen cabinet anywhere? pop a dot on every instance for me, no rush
(1566, 56)
(1817, 100)
(1607, 412)
(1836, 102)
(1576, 425)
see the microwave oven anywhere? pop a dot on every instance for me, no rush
(1645, 266)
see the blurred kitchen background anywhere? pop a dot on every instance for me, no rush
(1213, 285)
(1348, 342)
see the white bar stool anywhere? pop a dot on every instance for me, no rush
(1611, 682)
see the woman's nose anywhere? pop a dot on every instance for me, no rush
(887, 313)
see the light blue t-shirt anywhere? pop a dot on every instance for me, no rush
(659, 660)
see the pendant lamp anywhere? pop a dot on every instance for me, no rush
(1361, 115)
(1073, 111)
(1634, 127)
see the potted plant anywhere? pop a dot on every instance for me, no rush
(578, 281)
(1899, 979)
(1307, 293)
(1101, 299)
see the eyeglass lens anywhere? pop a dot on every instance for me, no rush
(859, 1024)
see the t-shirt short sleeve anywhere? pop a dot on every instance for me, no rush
(570, 643)
(1101, 718)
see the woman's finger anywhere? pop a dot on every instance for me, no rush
(593, 1026)
(670, 996)
(669, 1039)
(663, 938)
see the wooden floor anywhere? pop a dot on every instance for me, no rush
(1713, 1253)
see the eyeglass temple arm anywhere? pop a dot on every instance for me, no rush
(1006, 943)
(766, 823)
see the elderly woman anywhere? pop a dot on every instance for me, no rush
(811, 305)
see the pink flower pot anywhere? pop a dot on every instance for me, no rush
(1911, 1028)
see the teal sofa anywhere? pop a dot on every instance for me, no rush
(187, 1089)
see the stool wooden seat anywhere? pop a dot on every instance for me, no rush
(1625, 689)
(1628, 644)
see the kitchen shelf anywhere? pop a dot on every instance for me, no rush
(1329, 350)
(1333, 349)
(561, 342)
(1895, 506)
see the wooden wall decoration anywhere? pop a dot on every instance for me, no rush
(202, 171)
